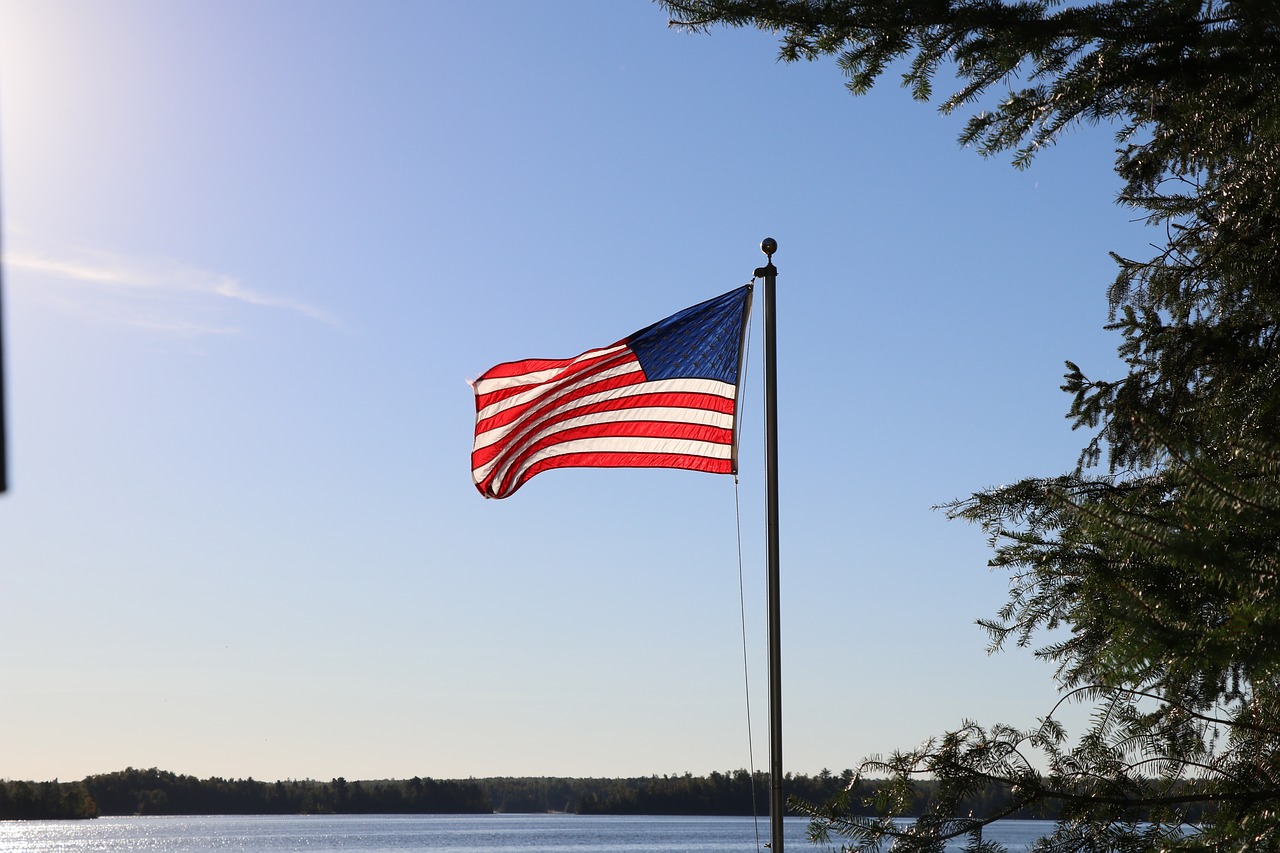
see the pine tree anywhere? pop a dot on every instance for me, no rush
(1160, 549)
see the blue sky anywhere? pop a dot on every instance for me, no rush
(253, 253)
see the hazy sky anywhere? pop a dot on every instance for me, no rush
(255, 250)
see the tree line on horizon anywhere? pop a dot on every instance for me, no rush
(158, 792)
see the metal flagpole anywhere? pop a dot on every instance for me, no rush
(777, 802)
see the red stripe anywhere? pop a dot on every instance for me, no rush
(618, 460)
(529, 365)
(574, 366)
(559, 410)
(643, 428)
(677, 431)
(634, 429)
(553, 400)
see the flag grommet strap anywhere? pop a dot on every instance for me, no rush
(664, 397)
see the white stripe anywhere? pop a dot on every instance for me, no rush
(669, 414)
(683, 447)
(568, 384)
(488, 386)
(531, 429)
(659, 386)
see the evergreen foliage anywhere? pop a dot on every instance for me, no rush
(1160, 549)
(45, 801)
(159, 792)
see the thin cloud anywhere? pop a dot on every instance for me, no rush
(181, 328)
(182, 289)
(233, 289)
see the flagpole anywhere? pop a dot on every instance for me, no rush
(777, 801)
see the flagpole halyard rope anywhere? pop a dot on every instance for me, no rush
(746, 677)
(742, 600)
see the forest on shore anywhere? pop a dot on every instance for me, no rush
(159, 792)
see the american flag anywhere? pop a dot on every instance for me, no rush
(664, 397)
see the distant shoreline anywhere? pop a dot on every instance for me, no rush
(159, 792)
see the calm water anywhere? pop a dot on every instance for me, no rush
(437, 833)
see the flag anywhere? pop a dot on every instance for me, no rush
(664, 397)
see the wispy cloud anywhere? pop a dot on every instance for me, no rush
(159, 295)
(232, 289)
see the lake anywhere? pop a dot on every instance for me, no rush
(438, 833)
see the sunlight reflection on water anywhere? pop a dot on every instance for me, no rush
(439, 833)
